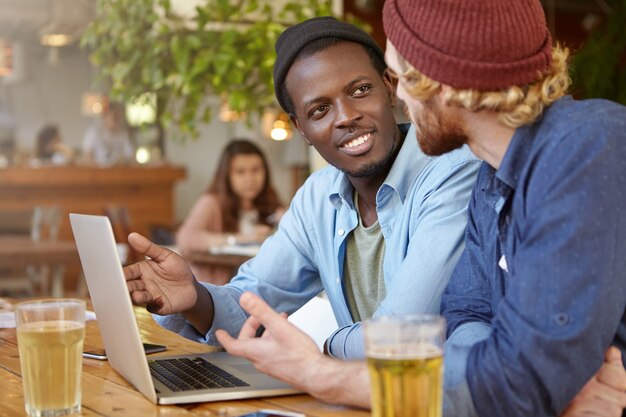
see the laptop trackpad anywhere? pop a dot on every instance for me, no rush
(246, 368)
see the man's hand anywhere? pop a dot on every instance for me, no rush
(164, 283)
(605, 393)
(283, 351)
(286, 353)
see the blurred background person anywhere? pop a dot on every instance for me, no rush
(50, 147)
(239, 207)
(108, 141)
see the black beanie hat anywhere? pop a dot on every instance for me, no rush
(294, 38)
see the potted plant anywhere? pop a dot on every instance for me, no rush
(222, 55)
(599, 67)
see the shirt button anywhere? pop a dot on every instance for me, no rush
(341, 232)
(338, 280)
(561, 319)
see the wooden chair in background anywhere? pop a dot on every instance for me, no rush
(121, 223)
(36, 224)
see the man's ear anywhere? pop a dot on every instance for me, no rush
(391, 84)
(296, 123)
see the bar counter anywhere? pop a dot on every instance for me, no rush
(146, 191)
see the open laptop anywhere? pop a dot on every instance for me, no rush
(213, 376)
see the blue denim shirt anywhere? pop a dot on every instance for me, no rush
(422, 210)
(539, 293)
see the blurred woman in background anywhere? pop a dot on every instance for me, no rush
(239, 207)
(50, 148)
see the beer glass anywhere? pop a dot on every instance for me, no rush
(50, 336)
(405, 362)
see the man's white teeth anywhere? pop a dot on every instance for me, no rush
(357, 141)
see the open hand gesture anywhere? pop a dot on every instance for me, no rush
(163, 283)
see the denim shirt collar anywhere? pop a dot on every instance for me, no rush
(515, 157)
(520, 149)
(504, 180)
(399, 178)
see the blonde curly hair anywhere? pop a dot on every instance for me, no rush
(517, 105)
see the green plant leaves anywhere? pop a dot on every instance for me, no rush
(599, 67)
(225, 50)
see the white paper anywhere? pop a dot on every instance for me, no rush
(316, 318)
(245, 250)
(7, 319)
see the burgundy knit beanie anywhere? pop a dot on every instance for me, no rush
(484, 45)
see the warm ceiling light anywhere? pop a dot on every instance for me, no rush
(142, 155)
(281, 130)
(275, 125)
(93, 104)
(56, 39)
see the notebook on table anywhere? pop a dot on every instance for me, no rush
(214, 376)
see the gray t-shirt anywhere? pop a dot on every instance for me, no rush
(363, 269)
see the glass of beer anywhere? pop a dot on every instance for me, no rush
(405, 362)
(50, 336)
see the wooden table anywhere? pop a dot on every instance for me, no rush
(106, 394)
(20, 251)
(222, 259)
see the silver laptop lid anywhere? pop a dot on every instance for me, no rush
(111, 300)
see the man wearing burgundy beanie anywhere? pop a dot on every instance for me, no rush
(538, 299)
(539, 293)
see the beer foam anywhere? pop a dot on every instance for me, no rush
(405, 351)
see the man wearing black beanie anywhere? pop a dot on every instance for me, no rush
(379, 230)
(296, 38)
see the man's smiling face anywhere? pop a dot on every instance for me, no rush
(343, 107)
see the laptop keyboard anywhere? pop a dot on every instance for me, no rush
(187, 374)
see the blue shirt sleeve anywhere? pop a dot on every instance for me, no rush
(457, 398)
